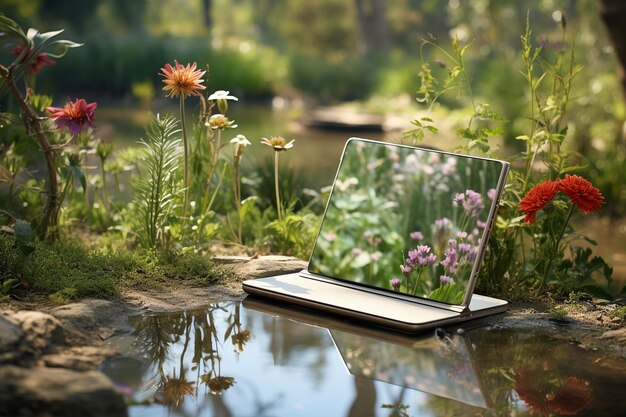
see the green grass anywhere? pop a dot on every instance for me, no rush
(69, 270)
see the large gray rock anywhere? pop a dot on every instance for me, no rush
(264, 266)
(11, 337)
(57, 392)
(43, 332)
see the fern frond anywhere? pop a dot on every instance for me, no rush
(155, 192)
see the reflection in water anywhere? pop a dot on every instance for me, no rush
(231, 360)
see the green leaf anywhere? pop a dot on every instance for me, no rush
(246, 205)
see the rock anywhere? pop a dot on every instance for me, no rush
(11, 337)
(79, 358)
(91, 317)
(616, 337)
(58, 392)
(43, 332)
(265, 266)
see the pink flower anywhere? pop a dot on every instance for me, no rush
(74, 115)
(36, 64)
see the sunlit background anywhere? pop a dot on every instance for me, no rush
(291, 63)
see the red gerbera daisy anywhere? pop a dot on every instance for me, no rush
(74, 115)
(36, 63)
(580, 191)
(182, 80)
(536, 199)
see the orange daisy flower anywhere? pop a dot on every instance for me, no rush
(536, 199)
(182, 80)
(580, 191)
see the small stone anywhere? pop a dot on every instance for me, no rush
(460, 331)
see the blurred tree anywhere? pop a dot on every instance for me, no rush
(207, 13)
(329, 28)
(78, 14)
(131, 14)
(373, 28)
(613, 13)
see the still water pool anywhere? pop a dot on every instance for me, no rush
(260, 359)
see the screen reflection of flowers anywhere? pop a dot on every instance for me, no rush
(457, 253)
(406, 220)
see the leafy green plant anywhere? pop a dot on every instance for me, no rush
(155, 193)
(522, 256)
(33, 50)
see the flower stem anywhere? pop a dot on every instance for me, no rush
(48, 225)
(278, 206)
(237, 189)
(185, 154)
(557, 242)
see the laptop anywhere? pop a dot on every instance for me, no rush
(402, 239)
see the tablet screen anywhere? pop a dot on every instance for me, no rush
(408, 220)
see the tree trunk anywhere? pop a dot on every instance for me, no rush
(383, 43)
(365, 43)
(613, 13)
(206, 13)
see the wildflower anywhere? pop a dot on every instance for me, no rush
(239, 144)
(219, 121)
(421, 256)
(37, 63)
(458, 199)
(536, 199)
(428, 259)
(356, 251)
(278, 143)
(416, 235)
(104, 149)
(451, 259)
(375, 257)
(406, 270)
(182, 80)
(330, 236)
(221, 97)
(473, 203)
(581, 192)
(491, 193)
(444, 279)
(480, 224)
(465, 247)
(461, 235)
(74, 115)
(240, 339)
(218, 384)
(395, 284)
